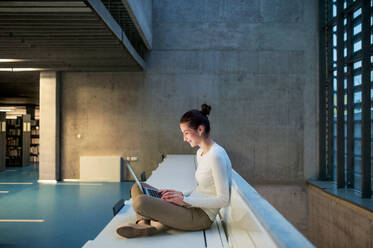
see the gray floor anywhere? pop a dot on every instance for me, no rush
(72, 212)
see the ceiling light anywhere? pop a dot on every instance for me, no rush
(23, 69)
(27, 69)
(12, 60)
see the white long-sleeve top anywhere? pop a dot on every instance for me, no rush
(214, 180)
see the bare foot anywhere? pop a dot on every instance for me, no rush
(145, 222)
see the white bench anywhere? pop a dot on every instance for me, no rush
(249, 220)
(176, 172)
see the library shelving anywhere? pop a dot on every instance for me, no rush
(18, 141)
(34, 146)
(2, 141)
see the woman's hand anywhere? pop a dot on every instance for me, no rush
(173, 196)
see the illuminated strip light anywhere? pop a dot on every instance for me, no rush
(12, 60)
(5, 183)
(20, 220)
(24, 69)
(4, 192)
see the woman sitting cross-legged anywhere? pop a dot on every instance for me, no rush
(188, 211)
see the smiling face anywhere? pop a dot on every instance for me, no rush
(193, 137)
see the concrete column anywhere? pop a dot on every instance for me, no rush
(49, 149)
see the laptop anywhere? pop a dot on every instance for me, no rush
(145, 190)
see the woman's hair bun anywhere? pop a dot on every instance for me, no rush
(205, 109)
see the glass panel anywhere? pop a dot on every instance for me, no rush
(357, 29)
(335, 145)
(357, 129)
(357, 45)
(334, 55)
(357, 115)
(357, 172)
(371, 140)
(357, 80)
(357, 65)
(334, 40)
(335, 101)
(357, 97)
(335, 84)
(357, 150)
(334, 10)
(357, 13)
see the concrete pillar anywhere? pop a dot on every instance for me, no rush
(49, 149)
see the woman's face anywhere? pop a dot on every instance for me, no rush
(193, 137)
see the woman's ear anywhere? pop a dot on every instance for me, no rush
(201, 130)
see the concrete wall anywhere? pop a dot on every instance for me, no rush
(335, 223)
(256, 64)
(289, 200)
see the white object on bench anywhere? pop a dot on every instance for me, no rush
(100, 169)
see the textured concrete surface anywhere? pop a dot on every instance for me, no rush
(335, 223)
(254, 62)
(289, 200)
(49, 149)
(229, 54)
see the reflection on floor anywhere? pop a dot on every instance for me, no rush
(67, 214)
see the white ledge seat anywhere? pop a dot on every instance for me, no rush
(248, 221)
(176, 172)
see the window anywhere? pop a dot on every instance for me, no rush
(346, 83)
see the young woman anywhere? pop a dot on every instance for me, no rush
(190, 211)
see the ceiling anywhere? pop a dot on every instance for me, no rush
(70, 35)
(19, 88)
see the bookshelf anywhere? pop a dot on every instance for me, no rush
(18, 141)
(2, 141)
(34, 146)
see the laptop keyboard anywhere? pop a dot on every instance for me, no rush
(154, 193)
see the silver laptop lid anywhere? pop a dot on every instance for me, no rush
(134, 175)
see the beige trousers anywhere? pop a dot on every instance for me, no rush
(168, 214)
